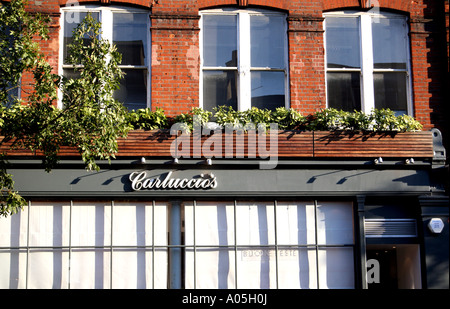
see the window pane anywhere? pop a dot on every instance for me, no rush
(334, 223)
(217, 223)
(130, 37)
(295, 223)
(90, 224)
(133, 89)
(344, 91)
(71, 21)
(214, 226)
(220, 40)
(44, 234)
(336, 268)
(268, 90)
(343, 42)
(13, 94)
(389, 43)
(47, 268)
(297, 268)
(219, 88)
(255, 223)
(90, 268)
(71, 73)
(390, 91)
(267, 41)
(214, 268)
(256, 267)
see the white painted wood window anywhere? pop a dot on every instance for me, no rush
(243, 59)
(129, 30)
(368, 61)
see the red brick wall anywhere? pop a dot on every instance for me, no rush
(175, 49)
(429, 73)
(175, 62)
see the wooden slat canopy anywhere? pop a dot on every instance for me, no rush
(290, 144)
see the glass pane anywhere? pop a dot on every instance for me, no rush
(344, 91)
(295, 223)
(90, 268)
(41, 232)
(255, 223)
(214, 268)
(268, 90)
(297, 268)
(220, 40)
(133, 89)
(13, 94)
(267, 41)
(130, 37)
(47, 268)
(132, 224)
(389, 43)
(90, 224)
(71, 74)
(343, 42)
(256, 267)
(390, 91)
(13, 273)
(132, 268)
(71, 21)
(336, 268)
(219, 88)
(217, 223)
(335, 223)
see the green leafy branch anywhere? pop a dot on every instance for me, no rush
(91, 120)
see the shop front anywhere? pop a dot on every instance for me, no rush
(149, 220)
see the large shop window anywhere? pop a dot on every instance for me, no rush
(127, 244)
(269, 245)
(85, 245)
(367, 61)
(129, 30)
(243, 59)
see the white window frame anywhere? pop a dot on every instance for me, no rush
(244, 55)
(106, 19)
(367, 69)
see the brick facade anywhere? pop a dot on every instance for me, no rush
(176, 57)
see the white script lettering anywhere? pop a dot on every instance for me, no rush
(139, 181)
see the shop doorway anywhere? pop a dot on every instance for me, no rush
(394, 266)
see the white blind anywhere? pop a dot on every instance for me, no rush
(84, 246)
(268, 246)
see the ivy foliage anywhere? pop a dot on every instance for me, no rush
(90, 119)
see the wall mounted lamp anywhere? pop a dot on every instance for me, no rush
(409, 161)
(378, 160)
